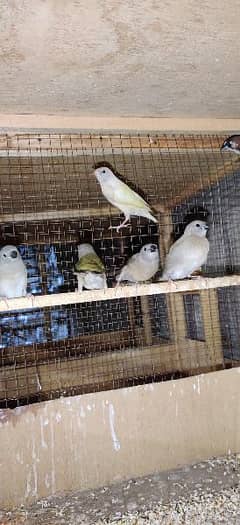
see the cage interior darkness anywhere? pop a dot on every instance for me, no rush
(61, 340)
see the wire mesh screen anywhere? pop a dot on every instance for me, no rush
(62, 340)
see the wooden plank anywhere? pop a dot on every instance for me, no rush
(211, 320)
(120, 292)
(176, 313)
(165, 219)
(178, 310)
(146, 315)
(97, 370)
(63, 124)
(26, 355)
(52, 143)
(101, 211)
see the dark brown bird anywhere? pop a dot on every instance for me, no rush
(232, 144)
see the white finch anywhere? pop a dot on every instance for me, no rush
(188, 253)
(90, 270)
(232, 144)
(13, 273)
(142, 266)
(121, 196)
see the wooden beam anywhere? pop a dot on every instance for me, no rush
(187, 285)
(44, 123)
(101, 211)
(79, 346)
(165, 219)
(212, 325)
(147, 322)
(97, 370)
(77, 144)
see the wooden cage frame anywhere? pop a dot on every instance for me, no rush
(165, 358)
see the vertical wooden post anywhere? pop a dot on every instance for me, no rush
(133, 331)
(174, 301)
(211, 323)
(146, 315)
(46, 311)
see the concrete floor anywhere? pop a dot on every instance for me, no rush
(206, 493)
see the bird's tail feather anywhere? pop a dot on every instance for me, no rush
(164, 277)
(120, 276)
(149, 216)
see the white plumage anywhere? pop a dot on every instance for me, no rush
(123, 197)
(90, 271)
(188, 253)
(142, 266)
(13, 273)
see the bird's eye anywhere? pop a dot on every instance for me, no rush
(198, 225)
(4, 255)
(103, 171)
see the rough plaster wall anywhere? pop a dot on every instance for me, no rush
(149, 58)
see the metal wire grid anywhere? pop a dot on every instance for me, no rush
(46, 182)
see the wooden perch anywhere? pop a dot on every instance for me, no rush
(101, 211)
(121, 292)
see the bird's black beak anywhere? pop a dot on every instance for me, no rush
(14, 254)
(153, 248)
(225, 146)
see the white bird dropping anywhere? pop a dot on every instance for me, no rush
(90, 270)
(13, 273)
(188, 253)
(142, 266)
(122, 197)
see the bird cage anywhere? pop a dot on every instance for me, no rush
(60, 341)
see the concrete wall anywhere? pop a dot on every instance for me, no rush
(106, 57)
(97, 439)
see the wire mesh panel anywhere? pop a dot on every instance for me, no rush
(62, 341)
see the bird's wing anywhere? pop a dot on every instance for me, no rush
(132, 261)
(125, 272)
(186, 250)
(90, 263)
(126, 196)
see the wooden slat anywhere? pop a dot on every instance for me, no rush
(101, 211)
(63, 124)
(83, 345)
(41, 301)
(164, 244)
(178, 313)
(100, 369)
(146, 316)
(54, 142)
(171, 299)
(211, 322)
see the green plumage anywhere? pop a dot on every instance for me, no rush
(90, 263)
